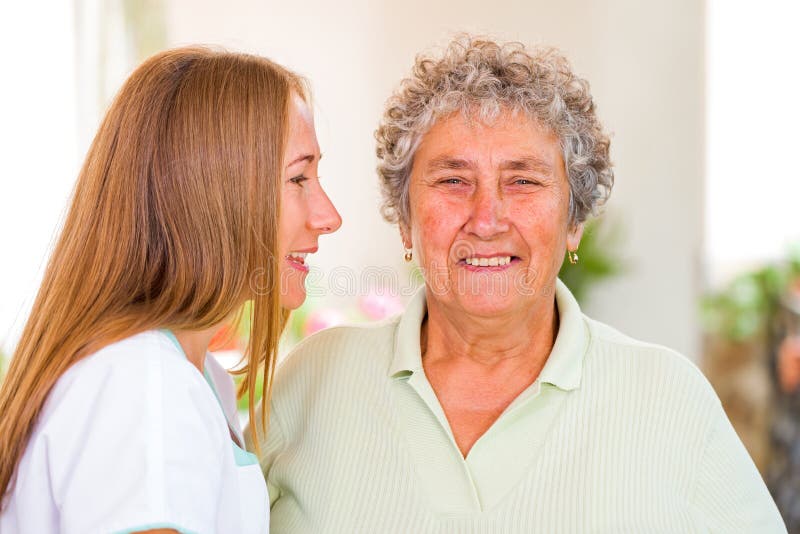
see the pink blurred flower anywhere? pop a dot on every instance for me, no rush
(322, 318)
(377, 307)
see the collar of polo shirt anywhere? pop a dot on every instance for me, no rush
(564, 366)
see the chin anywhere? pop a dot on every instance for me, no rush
(293, 299)
(488, 296)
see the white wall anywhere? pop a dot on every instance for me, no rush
(753, 185)
(38, 149)
(645, 64)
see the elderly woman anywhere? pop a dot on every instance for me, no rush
(493, 404)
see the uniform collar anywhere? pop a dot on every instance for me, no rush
(563, 368)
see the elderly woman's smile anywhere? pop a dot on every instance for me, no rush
(489, 219)
(493, 404)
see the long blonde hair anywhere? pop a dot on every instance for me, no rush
(173, 224)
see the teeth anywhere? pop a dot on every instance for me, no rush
(298, 256)
(489, 262)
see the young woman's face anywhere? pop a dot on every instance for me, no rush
(306, 211)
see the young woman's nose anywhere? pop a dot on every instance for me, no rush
(323, 216)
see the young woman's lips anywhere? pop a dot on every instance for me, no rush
(297, 261)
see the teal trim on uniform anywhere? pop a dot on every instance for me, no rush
(174, 340)
(211, 385)
(243, 458)
(206, 375)
(154, 526)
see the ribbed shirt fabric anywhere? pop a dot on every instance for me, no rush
(615, 435)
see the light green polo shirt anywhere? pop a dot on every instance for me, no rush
(615, 435)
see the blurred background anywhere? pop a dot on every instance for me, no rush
(697, 249)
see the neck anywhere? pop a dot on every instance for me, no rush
(513, 341)
(195, 344)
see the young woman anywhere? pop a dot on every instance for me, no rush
(199, 193)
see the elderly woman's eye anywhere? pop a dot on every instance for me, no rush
(455, 181)
(525, 181)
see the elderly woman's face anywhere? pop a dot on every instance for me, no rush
(489, 218)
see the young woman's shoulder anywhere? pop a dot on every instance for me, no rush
(128, 429)
(125, 376)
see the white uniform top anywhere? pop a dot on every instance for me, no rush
(133, 438)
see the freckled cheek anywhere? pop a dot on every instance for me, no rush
(435, 225)
(295, 211)
(541, 226)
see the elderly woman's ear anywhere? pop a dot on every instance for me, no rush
(574, 236)
(405, 236)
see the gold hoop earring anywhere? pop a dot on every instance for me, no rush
(408, 255)
(573, 256)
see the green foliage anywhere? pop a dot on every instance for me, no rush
(598, 258)
(146, 24)
(745, 308)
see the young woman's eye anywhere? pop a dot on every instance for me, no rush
(298, 180)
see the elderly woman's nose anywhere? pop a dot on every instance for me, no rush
(488, 216)
(323, 216)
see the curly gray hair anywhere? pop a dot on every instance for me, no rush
(480, 77)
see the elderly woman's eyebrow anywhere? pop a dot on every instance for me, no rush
(531, 163)
(449, 163)
(528, 163)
